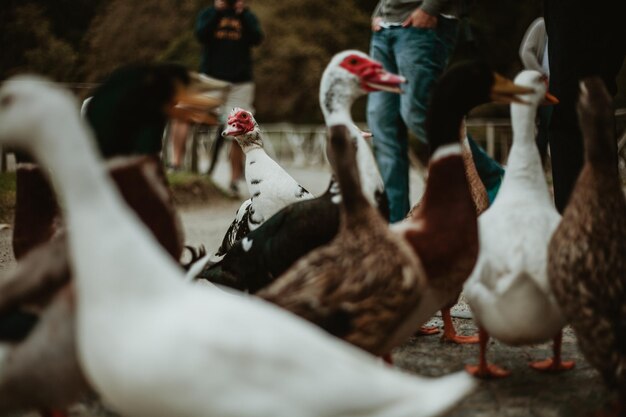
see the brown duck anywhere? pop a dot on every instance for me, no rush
(587, 254)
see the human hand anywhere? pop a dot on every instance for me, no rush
(240, 5)
(220, 4)
(376, 24)
(420, 19)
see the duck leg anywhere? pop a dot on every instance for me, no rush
(427, 331)
(449, 332)
(554, 364)
(483, 369)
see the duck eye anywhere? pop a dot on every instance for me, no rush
(244, 116)
(354, 61)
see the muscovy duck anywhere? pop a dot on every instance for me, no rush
(267, 252)
(271, 187)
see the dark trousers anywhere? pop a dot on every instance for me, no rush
(584, 39)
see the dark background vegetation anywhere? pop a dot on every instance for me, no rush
(81, 41)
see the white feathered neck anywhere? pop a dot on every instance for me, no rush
(524, 168)
(338, 91)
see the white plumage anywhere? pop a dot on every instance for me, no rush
(508, 290)
(271, 187)
(155, 345)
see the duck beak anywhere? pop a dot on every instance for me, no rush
(505, 91)
(381, 80)
(192, 106)
(549, 100)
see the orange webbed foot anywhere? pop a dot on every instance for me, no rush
(551, 365)
(458, 339)
(488, 372)
(427, 331)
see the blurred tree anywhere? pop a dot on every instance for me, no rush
(301, 37)
(128, 32)
(29, 45)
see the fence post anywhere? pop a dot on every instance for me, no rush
(491, 138)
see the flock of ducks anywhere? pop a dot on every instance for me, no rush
(118, 316)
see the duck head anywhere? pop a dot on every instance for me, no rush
(538, 83)
(351, 74)
(29, 107)
(130, 109)
(462, 87)
(597, 121)
(242, 126)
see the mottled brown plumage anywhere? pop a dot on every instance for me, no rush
(364, 285)
(477, 188)
(587, 254)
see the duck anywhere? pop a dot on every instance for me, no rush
(270, 186)
(267, 252)
(442, 228)
(363, 285)
(587, 253)
(134, 315)
(508, 290)
(37, 307)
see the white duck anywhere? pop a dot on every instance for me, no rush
(270, 186)
(508, 290)
(155, 345)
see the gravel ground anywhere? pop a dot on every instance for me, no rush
(525, 393)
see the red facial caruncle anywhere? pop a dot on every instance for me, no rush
(239, 122)
(372, 74)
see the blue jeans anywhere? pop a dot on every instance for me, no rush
(420, 55)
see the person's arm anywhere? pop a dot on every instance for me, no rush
(530, 47)
(376, 18)
(252, 28)
(206, 23)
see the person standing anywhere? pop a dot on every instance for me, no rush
(227, 31)
(413, 39)
(584, 41)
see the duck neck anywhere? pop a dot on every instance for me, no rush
(342, 143)
(601, 146)
(101, 227)
(251, 141)
(336, 109)
(447, 189)
(524, 163)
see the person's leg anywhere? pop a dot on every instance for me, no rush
(241, 95)
(581, 43)
(422, 55)
(390, 140)
(179, 133)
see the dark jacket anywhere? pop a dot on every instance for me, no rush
(227, 39)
